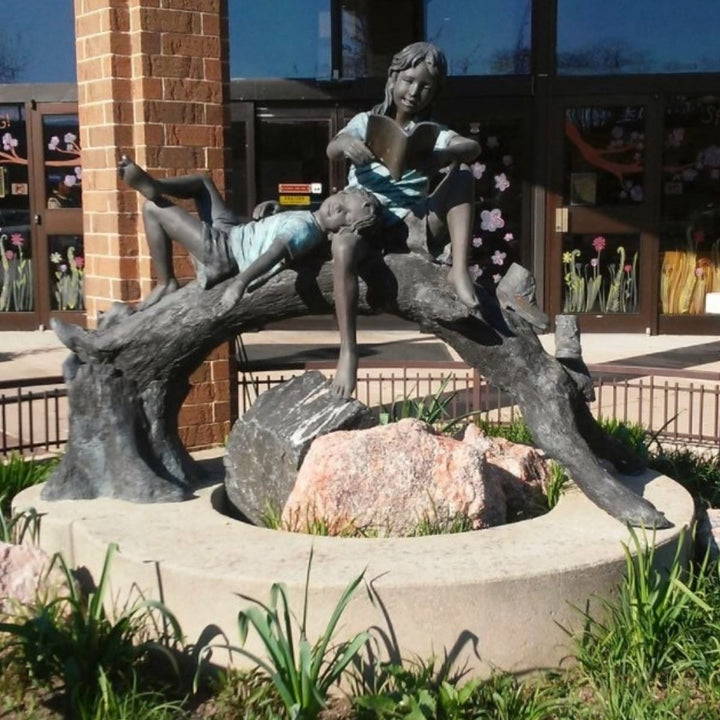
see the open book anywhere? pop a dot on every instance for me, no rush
(396, 149)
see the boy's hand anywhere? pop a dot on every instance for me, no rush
(232, 295)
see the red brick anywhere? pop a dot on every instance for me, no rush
(126, 290)
(192, 90)
(176, 112)
(202, 374)
(211, 23)
(197, 45)
(167, 20)
(195, 414)
(221, 411)
(220, 369)
(221, 352)
(208, 6)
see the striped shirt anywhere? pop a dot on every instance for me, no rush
(398, 197)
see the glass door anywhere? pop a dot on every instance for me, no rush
(290, 161)
(42, 264)
(689, 299)
(57, 212)
(18, 244)
(602, 212)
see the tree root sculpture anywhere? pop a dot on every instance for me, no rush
(128, 381)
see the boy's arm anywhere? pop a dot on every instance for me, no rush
(277, 251)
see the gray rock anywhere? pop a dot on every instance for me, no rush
(267, 445)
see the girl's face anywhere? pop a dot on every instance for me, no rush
(413, 90)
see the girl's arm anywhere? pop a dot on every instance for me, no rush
(460, 149)
(277, 251)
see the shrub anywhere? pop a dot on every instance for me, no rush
(301, 673)
(71, 639)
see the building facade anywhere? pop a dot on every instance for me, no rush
(599, 125)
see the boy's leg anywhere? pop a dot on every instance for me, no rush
(199, 187)
(165, 222)
(452, 209)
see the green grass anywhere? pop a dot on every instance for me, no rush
(430, 409)
(18, 473)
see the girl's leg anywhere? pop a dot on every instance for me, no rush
(452, 210)
(164, 223)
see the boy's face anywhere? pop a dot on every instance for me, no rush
(342, 210)
(413, 90)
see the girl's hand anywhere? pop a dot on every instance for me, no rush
(436, 160)
(357, 151)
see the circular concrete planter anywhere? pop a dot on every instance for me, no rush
(493, 598)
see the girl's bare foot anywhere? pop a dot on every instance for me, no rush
(137, 178)
(464, 287)
(158, 293)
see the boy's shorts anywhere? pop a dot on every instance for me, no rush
(218, 262)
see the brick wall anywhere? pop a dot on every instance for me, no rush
(152, 78)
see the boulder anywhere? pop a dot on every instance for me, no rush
(268, 443)
(520, 469)
(23, 571)
(390, 478)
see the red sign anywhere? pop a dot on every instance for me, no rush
(301, 188)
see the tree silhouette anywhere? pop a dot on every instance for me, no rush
(10, 63)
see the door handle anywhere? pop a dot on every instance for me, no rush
(561, 219)
(37, 219)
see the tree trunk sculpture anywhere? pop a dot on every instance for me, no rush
(125, 398)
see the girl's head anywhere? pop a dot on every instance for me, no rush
(434, 63)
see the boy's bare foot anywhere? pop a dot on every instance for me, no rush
(522, 307)
(345, 375)
(464, 287)
(158, 293)
(137, 178)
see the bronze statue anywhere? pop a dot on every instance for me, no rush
(129, 378)
(249, 253)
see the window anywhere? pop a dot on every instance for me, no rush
(373, 32)
(283, 38)
(26, 56)
(655, 36)
(481, 38)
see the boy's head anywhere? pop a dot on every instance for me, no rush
(353, 209)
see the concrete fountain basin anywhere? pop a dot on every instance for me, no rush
(493, 599)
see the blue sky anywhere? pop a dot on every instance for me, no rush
(670, 31)
(41, 35)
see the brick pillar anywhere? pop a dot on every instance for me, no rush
(152, 78)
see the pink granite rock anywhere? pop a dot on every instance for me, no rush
(389, 478)
(23, 571)
(522, 472)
